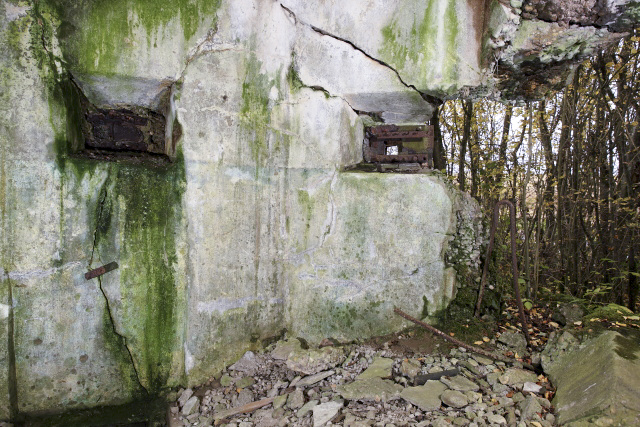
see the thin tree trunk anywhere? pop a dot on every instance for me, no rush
(466, 135)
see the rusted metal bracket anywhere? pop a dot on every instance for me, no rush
(96, 272)
(399, 144)
(514, 263)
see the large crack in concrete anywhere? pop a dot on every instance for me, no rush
(428, 98)
(119, 337)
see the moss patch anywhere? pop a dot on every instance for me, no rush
(417, 48)
(149, 212)
(611, 312)
(255, 114)
(98, 34)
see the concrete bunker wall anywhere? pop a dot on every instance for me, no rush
(251, 227)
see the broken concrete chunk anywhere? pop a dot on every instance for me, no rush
(279, 401)
(531, 387)
(296, 399)
(426, 397)
(191, 406)
(600, 380)
(514, 340)
(312, 379)
(454, 398)
(226, 380)
(325, 412)
(482, 360)
(410, 368)
(515, 376)
(529, 407)
(306, 408)
(460, 383)
(380, 368)
(245, 382)
(370, 389)
(248, 364)
(186, 395)
(558, 345)
(309, 361)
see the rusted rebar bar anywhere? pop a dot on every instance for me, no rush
(514, 263)
(96, 272)
(459, 343)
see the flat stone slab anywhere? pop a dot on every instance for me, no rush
(454, 398)
(425, 397)
(309, 361)
(599, 382)
(513, 376)
(513, 339)
(460, 383)
(370, 389)
(325, 412)
(312, 379)
(380, 368)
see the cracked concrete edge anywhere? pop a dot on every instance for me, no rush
(428, 98)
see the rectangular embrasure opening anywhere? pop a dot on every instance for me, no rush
(124, 132)
(399, 144)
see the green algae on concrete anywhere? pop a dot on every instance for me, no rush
(430, 46)
(255, 114)
(139, 219)
(99, 35)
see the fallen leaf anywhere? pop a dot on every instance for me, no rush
(536, 424)
(631, 317)
(478, 342)
(595, 319)
(554, 324)
(451, 334)
(578, 323)
(485, 339)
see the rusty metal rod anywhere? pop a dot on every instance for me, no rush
(459, 343)
(100, 270)
(514, 263)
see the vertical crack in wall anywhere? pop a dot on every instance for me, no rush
(12, 376)
(428, 98)
(332, 211)
(120, 337)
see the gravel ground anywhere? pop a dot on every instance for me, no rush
(367, 385)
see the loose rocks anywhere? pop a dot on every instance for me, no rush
(358, 386)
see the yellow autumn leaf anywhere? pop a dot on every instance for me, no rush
(478, 342)
(485, 339)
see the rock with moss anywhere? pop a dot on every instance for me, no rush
(611, 312)
(600, 381)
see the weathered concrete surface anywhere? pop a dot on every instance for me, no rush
(254, 227)
(599, 384)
